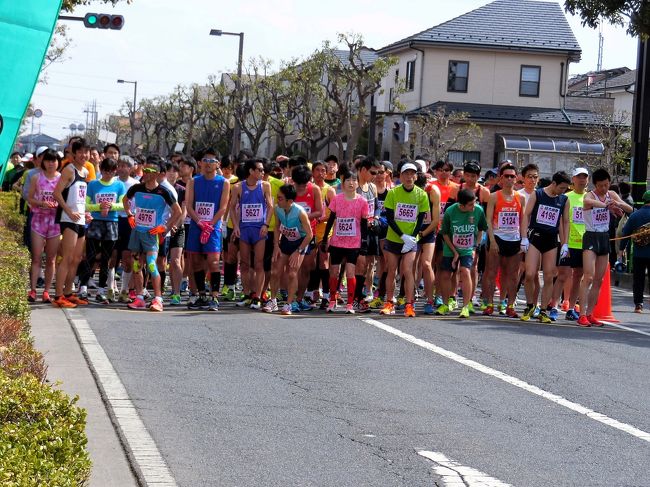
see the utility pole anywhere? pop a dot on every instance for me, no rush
(641, 122)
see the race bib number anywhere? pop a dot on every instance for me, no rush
(600, 216)
(205, 210)
(81, 192)
(345, 227)
(508, 220)
(290, 233)
(371, 208)
(48, 197)
(145, 217)
(578, 217)
(463, 240)
(252, 213)
(305, 207)
(427, 218)
(380, 205)
(106, 198)
(406, 213)
(548, 215)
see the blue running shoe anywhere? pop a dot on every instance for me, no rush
(571, 315)
(536, 312)
(295, 307)
(438, 302)
(553, 314)
(428, 309)
(305, 306)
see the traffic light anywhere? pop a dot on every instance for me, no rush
(401, 131)
(103, 21)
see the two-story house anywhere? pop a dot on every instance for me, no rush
(506, 65)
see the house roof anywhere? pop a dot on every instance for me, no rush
(503, 24)
(622, 81)
(508, 114)
(366, 55)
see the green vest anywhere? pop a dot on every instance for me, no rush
(576, 219)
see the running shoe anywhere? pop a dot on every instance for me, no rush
(428, 308)
(138, 303)
(553, 314)
(270, 306)
(305, 305)
(102, 299)
(489, 310)
(184, 286)
(295, 307)
(443, 310)
(452, 304)
(110, 295)
(511, 313)
(244, 303)
(199, 303)
(349, 309)
(583, 321)
(536, 312)
(593, 321)
(46, 297)
(565, 305)
(484, 304)
(464, 312)
(31, 296)
(156, 304)
(409, 310)
(376, 303)
(502, 307)
(331, 305)
(286, 309)
(363, 307)
(175, 300)
(284, 295)
(146, 295)
(228, 293)
(79, 300)
(62, 302)
(528, 313)
(638, 308)
(132, 295)
(438, 301)
(401, 303)
(544, 317)
(256, 304)
(571, 315)
(213, 304)
(388, 309)
(470, 307)
(324, 303)
(82, 295)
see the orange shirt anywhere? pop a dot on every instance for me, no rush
(88, 165)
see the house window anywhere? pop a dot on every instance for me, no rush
(457, 80)
(410, 76)
(458, 157)
(529, 81)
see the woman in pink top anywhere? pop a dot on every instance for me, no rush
(45, 232)
(349, 218)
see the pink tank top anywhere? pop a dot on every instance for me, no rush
(44, 192)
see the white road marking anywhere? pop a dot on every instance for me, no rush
(456, 475)
(578, 408)
(627, 328)
(143, 450)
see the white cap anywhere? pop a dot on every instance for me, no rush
(422, 164)
(407, 166)
(41, 149)
(580, 170)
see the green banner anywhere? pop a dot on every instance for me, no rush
(26, 28)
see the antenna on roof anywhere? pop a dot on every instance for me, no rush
(601, 40)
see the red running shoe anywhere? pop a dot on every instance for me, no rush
(583, 321)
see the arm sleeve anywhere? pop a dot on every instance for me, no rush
(364, 229)
(418, 224)
(90, 206)
(330, 224)
(390, 216)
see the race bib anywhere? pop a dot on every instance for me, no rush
(427, 218)
(508, 220)
(205, 210)
(81, 192)
(463, 240)
(406, 213)
(305, 207)
(600, 216)
(548, 215)
(380, 205)
(48, 197)
(290, 233)
(252, 213)
(371, 208)
(106, 198)
(345, 227)
(578, 217)
(145, 217)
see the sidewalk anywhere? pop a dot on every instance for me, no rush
(54, 337)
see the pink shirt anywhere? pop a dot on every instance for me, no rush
(347, 227)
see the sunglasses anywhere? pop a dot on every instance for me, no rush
(374, 173)
(509, 176)
(210, 160)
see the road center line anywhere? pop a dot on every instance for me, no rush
(578, 408)
(142, 450)
(456, 475)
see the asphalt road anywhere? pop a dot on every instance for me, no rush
(240, 398)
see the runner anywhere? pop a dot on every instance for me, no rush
(349, 219)
(505, 212)
(206, 202)
(45, 232)
(70, 194)
(122, 252)
(331, 178)
(292, 239)
(406, 206)
(462, 227)
(186, 171)
(150, 201)
(546, 216)
(598, 204)
(104, 200)
(251, 208)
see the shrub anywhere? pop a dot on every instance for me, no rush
(42, 439)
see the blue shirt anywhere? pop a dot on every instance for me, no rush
(150, 205)
(636, 220)
(100, 191)
(289, 222)
(207, 197)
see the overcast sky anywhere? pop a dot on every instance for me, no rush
(166, 42)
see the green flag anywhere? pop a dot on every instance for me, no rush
(26, 28)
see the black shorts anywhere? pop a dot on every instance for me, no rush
(268, 252)
(288, 247)
(372, 246)
(543, 241)
(395, 248)
(507, 248)
(102, 230)
(428, 239)
(177, 240)
(338, 254)
(597, 242)
(123, 234)
(80, 230)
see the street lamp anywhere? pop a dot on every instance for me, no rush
(135, 94)
(236, 133)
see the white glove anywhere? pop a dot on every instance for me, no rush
(564, 251)
(410, 243)
(524, 244)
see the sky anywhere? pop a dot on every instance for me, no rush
(165, 43)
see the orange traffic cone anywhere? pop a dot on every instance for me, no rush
(603, 308)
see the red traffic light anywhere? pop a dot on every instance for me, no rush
(117, 21)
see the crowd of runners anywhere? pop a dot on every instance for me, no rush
(290, 235)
